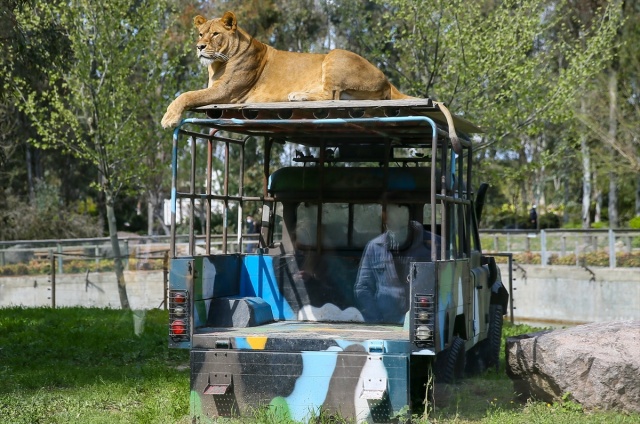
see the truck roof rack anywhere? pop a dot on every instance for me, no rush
(310, 122)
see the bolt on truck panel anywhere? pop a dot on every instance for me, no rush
(365, 277)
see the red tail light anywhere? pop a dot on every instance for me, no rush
(423, 320)
(178, 328)
(179, 315)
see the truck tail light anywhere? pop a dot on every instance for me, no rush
(179, 315)
(423, 320)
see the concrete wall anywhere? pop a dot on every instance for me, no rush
(573, 294)
(543, 294)
(144, 289)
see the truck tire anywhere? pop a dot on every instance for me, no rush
(495, 335)
(451, 362)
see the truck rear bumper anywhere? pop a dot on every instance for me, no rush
(350, 382)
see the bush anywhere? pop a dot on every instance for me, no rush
(528, 258)
(549, 220)
(47, 219)
(76, 266)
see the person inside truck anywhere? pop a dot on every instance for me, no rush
(381, 288)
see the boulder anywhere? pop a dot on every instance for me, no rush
(597, 364)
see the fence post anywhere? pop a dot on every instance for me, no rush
(52, 258)
(60, 257)
(165, 279)
(495, 243)
(564, 245)
(126, 254)
(612, 249)
(543, 247)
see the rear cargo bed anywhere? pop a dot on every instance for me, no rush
(210, 337)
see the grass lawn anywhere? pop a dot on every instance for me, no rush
(77, 365)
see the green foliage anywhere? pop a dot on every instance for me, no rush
(634, 223)
(46, 219)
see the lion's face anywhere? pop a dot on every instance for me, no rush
(216, 38)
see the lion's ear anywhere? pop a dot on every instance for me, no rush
(199, 20)
(229, 21)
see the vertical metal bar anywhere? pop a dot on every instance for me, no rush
(510, 255)
(192, 200)
(241, 203)
(126, 253)
(225, 218)
(434, 154)
(60, 258)
(265, 230)
(612, 249)
(319, 235)
(208, 202)
(467, 186)
(165, 279)
(543, 247)
(53, 279)
(445, 205)
(174, 182)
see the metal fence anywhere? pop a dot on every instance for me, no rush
(97, 249)
(547, 244)
(552, 244)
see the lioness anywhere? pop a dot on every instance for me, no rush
(244, 70)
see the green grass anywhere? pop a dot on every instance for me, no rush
(76, 365)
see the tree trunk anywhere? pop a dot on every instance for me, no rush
(597, 197)
(586, 173)
(638, 195)
(524, 195)
(115, 245)
(613, 133)
(30, 179)
(150, 208)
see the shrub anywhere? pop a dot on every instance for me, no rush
(549, 220)
(528, 258)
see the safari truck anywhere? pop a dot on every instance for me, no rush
(367, 277)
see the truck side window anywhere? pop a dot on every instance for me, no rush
(335, 222)
(367, 223)
(306, 224)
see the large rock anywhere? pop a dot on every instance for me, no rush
(597, 364)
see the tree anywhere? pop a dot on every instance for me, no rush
(514, 67)
(97, 100)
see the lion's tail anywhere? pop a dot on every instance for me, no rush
(455, 141)
(397, 95)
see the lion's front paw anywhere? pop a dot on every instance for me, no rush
(171, 117)
(298, 96)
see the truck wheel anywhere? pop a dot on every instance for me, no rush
(495, 335)
(451, 363)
